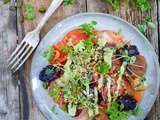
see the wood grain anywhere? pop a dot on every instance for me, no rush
(9, 90)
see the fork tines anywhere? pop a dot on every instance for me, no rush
(19, 56)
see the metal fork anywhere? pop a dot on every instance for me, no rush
(31, 40)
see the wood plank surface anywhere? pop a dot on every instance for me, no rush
(9, 90)
(29, 110)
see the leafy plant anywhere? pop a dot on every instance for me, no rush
(68, 2)
(143, 4)
(29, 12)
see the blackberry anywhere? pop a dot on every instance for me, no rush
(128, 102)
(49, 73)
(133, 50)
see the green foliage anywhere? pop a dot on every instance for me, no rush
(143, 4)
(29, 12)
(103, 68)
(116, 112)
(88, 28)
(115, 4)
(6, 1)
(142, 28)
(48, 53)
(149, 22)
(68, 2)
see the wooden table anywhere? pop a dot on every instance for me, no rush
(16, 100)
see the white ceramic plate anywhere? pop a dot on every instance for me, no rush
(105, 21)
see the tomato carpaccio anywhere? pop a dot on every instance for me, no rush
(74, 37)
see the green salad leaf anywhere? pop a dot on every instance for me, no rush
(48, 53)
(103, 68)
(108, 54)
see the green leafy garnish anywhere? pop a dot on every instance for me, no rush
(116, 111)
(29, 12)
(108, 54)
(54, 93)
(149, 22)
(88, 28)
(66, 49)
(71, 109)
(103, 68)
(115, 4)
(68, 2)
(48, 54)
(79, 47)
(142, 28)
(143, 4)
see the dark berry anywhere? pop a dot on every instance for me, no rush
(133, 51)
(49, 73)
(127, 102)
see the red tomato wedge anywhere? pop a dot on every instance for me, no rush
(73, 36)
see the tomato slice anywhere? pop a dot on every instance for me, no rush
(76, 35)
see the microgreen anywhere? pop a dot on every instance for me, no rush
(54, 92)
(103, 68)
(66, 49)
(48, 53)
(116, 112)
(29, 12)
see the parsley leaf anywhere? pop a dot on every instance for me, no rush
(48, 53)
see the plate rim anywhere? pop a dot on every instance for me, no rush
(155, 56)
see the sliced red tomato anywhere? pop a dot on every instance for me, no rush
(75, 36)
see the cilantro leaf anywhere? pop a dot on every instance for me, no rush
(48, 53)
(103, 68)
(115, 4)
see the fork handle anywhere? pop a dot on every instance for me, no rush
(54, 5)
